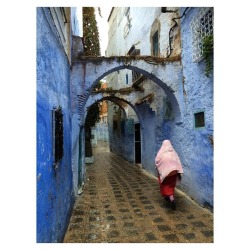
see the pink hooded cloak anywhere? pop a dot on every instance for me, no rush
(167, 161)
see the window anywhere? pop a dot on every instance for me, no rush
(57, 119)
(201, 26)
(155, 44)
(199, 120)
(155, 38)
(128, 22)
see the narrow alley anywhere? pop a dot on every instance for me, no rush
(153, 81)
(121, 203)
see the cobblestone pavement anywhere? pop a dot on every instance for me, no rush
(122, 203)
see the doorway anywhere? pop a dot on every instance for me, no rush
(80, 159)
(137, 143)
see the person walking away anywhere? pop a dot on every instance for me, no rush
(169, 169)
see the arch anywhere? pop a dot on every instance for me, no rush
(116, 101)
(146, 119)
(97, 72)
(166, 75)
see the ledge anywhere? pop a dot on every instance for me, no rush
(138, 81)
(126, 59)
(148, 98)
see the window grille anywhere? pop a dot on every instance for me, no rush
(199, 120)
(155, 44)
(57, 117)
(128, 22)
(201, 26)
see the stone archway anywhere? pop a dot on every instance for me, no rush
(167, 75)
(120, 134)
(146, 122)
(87, 72)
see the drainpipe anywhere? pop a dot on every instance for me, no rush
(175, 25)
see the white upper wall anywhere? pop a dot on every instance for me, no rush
(76, 21)
(132, 25)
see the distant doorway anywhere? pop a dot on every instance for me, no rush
(80, 178)
(137, 143)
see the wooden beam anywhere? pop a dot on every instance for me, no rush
(148, 98)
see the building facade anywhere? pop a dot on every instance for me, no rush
(170, 33)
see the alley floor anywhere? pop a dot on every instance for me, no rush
(122, 203)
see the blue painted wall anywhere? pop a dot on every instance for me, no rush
(147, 121)
(128, 141)
(121, 140)
(191, 142)
(193, 145)
(54, 186)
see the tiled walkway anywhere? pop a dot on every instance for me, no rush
(121, 203)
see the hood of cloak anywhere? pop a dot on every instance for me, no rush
(167, 160)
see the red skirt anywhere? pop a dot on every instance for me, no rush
(168, 185)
